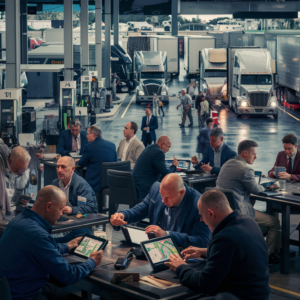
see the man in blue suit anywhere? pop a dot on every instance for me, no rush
(149, 124)
(203, 137)
(216, 155)
(172, 209)
(150, 166)
(72, 140)
(95, 153)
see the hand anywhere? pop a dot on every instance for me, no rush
(206, 168)
(67, 210)
(284, 175)
(77, 160)
(188, 107)
(40, 155)
(175, 162)
(145, 128)
(24, 202)
(193, 252)
(74, 243)
(97, 257)
(194, 160)
(158, 232)
(117, 219)
(174, 262)
(177, 107)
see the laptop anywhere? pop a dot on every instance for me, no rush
(184, 164)
(133, 235)
(258, 175)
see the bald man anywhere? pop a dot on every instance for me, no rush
(80, 196)
(29, 255)
(150, 166)
(171, 207)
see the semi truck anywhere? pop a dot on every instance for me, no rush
(250, 82)
(157, 43)
(192, 46)
(151, 70)
(213, 72)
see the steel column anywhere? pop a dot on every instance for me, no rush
(98, 35)
(175, 12)
(84, 35)
(68, 39)
(106, 61)
(24, 37)
(116, 21)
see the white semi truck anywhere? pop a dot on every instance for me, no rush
(250, 82)
(213, 72)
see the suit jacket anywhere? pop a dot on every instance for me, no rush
(65, 142)
(239, 177)
(226, 154)
(190, 230)
(153, 124)
(133, 152)
(281, 161)
(94, 154)
(148, 169)
(79, 187)
(203, 140)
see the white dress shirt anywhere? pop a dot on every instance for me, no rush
(148, 118)
(127, 143)
(78, 142)
(66, 190)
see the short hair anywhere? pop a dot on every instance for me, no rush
(183, 90)
(217, 132)
(200, 92)
(215, 199)
(21, 154)
(290, 138)
(76, 123)
(209, 120)
(49, 193)
(134, 127)
(96, 130)
(246, 145)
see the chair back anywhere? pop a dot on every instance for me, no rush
(119, 165)
(4, 289)
(228, 193)
(122, 189)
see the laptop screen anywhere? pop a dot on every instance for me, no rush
(257, 175)
(183, 164)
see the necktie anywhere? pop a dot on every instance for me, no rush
(147, 121)
(74, 144)
(289, 166)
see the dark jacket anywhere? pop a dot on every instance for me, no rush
(80, 188)
(65, 142)
(226, 154)
(94, 154)
(153, 124)
(197, 102)
(190, 230)
(281, 161)
(237, 261)
(148, 168)
(203, 140)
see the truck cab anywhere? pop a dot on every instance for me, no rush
(250, 82)
(150, 68)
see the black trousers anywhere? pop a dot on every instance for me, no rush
(148, 140)
(52, 292)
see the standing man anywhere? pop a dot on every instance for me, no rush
(186, 102)
(198, 107)
(204, 112)
(130, 146)
(149, 124)
(95, 153)
(115, 80)
(192, 89)
(155, 105)
(71, 140)
(203, 137)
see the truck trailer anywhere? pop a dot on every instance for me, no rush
(250, 82)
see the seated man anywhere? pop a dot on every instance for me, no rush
(237, 256)
(216, 155)
(289, 158)
(72, 140)
(150, 166)
(95, 153)
(29, 255)
(172, 209)
(80, 196)
(237, 176)
(130, 146)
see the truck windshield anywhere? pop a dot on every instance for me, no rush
(147, 75)
(256, 79)
(215, 73)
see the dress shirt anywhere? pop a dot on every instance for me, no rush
(185, 100)
(217, 157)
(147, 122)
(127, 143)
(204, 107)
(78, 142)
(66, 190)
(293, 160)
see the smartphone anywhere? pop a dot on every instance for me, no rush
(151, 235)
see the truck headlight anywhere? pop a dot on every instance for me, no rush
(273, 104)
(243, 104)
(164, 92)
(123, 83)
(141, 93)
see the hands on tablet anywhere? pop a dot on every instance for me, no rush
(158, 232)
(117, 219)
(97, 257)
(74, 243)
(174, 262)
(193, 252)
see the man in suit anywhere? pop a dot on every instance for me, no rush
(237, 176)
(150, 166)
(149, 124)
(216, 155)
(80, 196)
(186, 102)
(289, 158)
(95, 153)
(203, 137)
(72, 140)
(171, 207)
(130, 146)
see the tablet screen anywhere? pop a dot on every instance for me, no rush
(87, 246)
(160, 251)
(137, 236)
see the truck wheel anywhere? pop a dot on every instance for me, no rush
(236, 112)
(275, 117)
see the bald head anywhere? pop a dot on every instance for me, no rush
(173, 182)
(216, 200)
(65, 169)
(66, 160)
(18, 160)
(164, 143)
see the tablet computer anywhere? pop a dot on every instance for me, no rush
(88, 244)
(134, 235)
(158, 251)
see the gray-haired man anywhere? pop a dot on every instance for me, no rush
(186, 102)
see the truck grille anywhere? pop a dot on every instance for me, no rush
(152, 89)
(259, 99)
